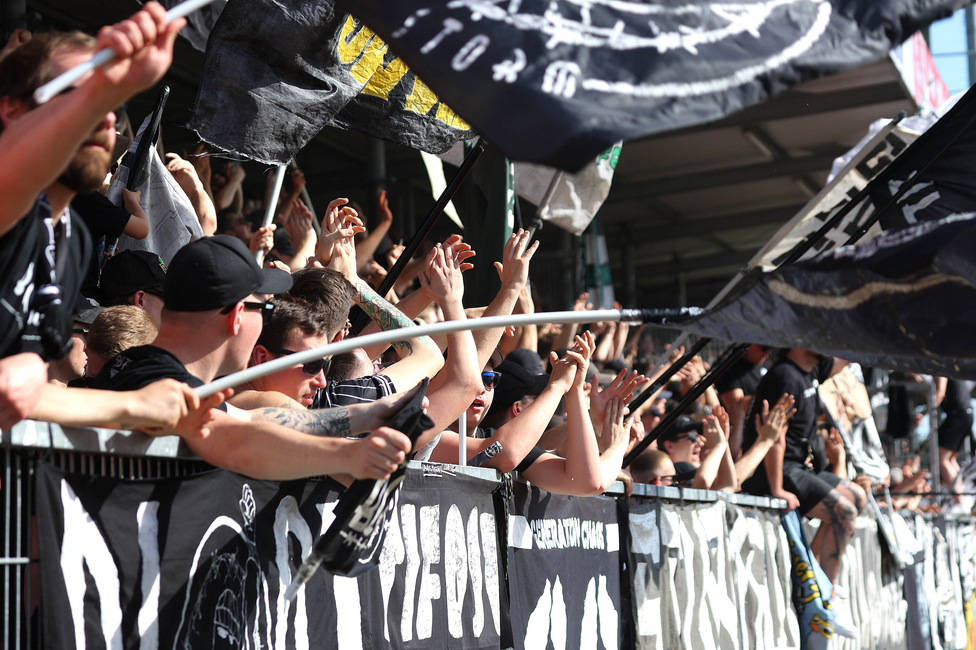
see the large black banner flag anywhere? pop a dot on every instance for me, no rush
(277, 71)
(559, 81)
(204, 561)
(564, 570)
(905, 300)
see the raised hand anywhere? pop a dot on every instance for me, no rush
(514, 267)
(143, 46)
(770, 425)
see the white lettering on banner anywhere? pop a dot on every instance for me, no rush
(489, 542)
(648, 609)
(408, 515)
(569, 532)
(391, 556)
(455, 570)
(345, 592)
(474, 570)
(289, 520)
(430, 583)
(83, 544)
(148, 521)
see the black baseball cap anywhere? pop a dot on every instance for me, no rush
(131, 271)
(216, 272)
(515, 383)
(681, 427)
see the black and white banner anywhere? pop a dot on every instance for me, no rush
(204, 561)
(558, 81)
(564, 571)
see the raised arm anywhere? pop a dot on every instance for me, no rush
(367, 247)
(419, 356)
(770, 427)
(454, 387)
(37, 144)
(514, 273)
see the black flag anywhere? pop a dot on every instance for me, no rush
(558, 81)
(905, 300)
(275, 73)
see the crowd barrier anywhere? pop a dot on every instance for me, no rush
(140, 546)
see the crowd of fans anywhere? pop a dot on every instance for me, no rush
(122, 343)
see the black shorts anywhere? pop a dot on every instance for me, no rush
(810, 488)
(954, 429)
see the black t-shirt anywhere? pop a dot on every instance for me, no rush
(28, 261)
(526, 463)
(140, 366)
(786, 377)
(103, 219)
(958, 393)
(742, 374)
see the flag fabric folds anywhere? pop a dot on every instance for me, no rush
(557, 82)
(276, 73)
(905, 300)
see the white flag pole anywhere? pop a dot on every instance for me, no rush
(445, 327)
(57, 85)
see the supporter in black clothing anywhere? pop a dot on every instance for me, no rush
(134, 278)
(956, 403)
(784, 473)
(214, 312)
(736, 388)
(106, 220)
(48, 154)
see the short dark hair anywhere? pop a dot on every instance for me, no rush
(327, 291)
(292, 314)
(29, 66)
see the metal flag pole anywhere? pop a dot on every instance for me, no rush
(542, 211)
(724, 362)
(60, 83)
(469, 160)
(272, 207)
(630, 316)
(463, 438)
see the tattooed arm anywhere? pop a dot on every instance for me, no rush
(419, 356)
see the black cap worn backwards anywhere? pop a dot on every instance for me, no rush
(131, 271)
(216, 272)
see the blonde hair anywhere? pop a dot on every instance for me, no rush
(116, 329)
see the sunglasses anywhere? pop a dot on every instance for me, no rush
(312, 368)
(490, 379)
(266, 308)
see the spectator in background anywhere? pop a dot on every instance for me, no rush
(954, 397)
(735, 390)
(785, 474)
(68, 370)
(653, 467)
(115, 330)
(134, 278)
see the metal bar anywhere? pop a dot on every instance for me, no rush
(731, 355)
(362, 319)
(463, 438)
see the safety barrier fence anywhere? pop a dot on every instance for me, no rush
(138, 545)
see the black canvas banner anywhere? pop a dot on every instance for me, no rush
(558, 81)
(564, 571)
(204, 561)
(905, 300)
(277, 72)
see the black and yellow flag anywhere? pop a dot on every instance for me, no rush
(277, 72)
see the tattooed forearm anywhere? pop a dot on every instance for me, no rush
(331, 423)
(385, 314)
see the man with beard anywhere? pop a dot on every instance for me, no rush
(48, 154)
